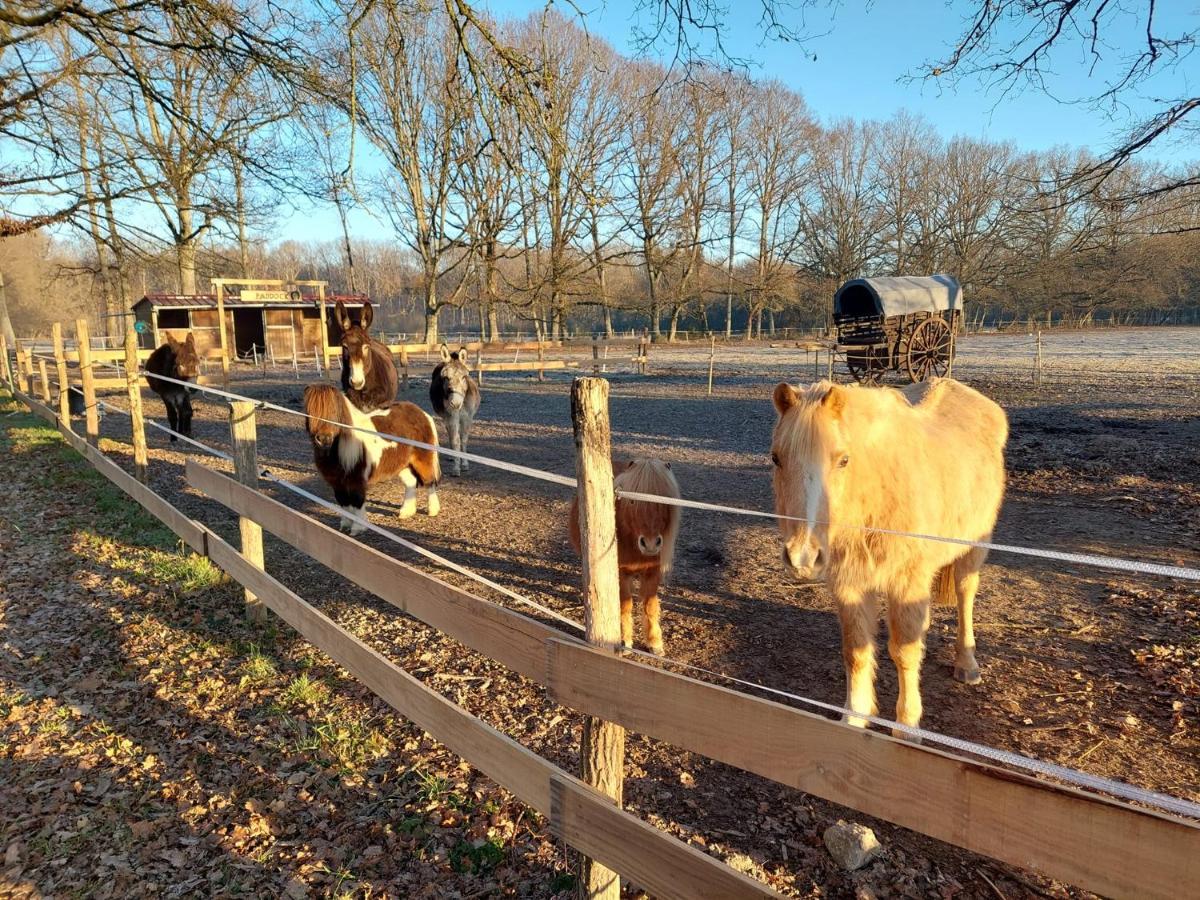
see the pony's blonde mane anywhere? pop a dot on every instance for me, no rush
(324, 402)
(649, 476)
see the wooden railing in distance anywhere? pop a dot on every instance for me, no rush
(578, 814)
(1102, 845)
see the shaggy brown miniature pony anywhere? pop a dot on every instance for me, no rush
(350, 460)
(646, 535)
(926, 460)
(178, 360)
(369, 377)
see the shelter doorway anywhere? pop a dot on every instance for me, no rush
(248, 331)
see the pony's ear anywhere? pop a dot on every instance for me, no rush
(445, 353)
(191, 340)
(343, 317)
(834, 401)
(367, 317)
(785, 397)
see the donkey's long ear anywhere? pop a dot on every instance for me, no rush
(785, 397)
(171, 342)
(367, 317)
(445, 353)
(834, 401)
(462, 352)
(343, 317)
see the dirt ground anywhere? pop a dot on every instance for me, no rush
(1093, 669)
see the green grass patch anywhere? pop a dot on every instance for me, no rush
(257, 669)
(476, 858)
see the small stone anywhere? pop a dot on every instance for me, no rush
(851, 845)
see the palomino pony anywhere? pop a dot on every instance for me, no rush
(929, 460)
(646, 535)
(178, 360)
(369, 377)
(455, 398)
(349, 460)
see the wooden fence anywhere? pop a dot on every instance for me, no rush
(1102, 845)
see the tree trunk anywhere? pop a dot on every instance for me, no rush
(491, 275)
(431, 309)
(5, 323)
(186, 250)
(239, 188)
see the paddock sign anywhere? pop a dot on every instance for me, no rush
(264, 296)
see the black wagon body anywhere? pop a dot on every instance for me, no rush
(902, 323)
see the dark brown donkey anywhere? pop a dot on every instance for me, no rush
(369, 378)
(178, 360)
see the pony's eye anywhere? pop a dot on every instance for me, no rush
(844, 461)
(775, 459)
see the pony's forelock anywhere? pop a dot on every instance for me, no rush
(650, 476)
(323, 404)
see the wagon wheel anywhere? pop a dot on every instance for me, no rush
(929, 349)
(866, 364)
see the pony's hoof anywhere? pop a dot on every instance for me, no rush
(854, 721)
(174, 439)
(356, 529)
(407, 511)
(656, 649)
(435, 507)
(967, 676)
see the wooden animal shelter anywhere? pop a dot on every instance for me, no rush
(271, 319)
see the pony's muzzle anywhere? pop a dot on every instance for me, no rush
(804, 558)
(650, 547)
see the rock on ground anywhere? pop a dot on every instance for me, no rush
(851, 845)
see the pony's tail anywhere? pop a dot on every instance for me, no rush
(944, 592)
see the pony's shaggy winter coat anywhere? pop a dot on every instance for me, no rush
(646, 534)
(928, 460)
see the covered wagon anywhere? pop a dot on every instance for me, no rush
(902, 323)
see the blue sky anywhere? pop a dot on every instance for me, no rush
(863, 50)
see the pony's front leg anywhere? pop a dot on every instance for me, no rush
(433, 504)
(627, 609)
(357, 495)
(858, 614)
(650, 611)
(908, 620)
(342, 496)
(409, 480)
(464, 433)
(185, 416)
(966, 574)
(454, 432)
(172, 415)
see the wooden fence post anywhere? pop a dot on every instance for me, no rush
(219, 284)
(64, 385)
(595, 356)
(603, 749)
(404, 368)
(44, 377)
(137, 425)
(1038, 370)
(712, 356)
(84, 344)
(22, 381)
(245, 465)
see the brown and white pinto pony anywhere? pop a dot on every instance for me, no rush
(350, 460)
(646, 535)
(926, 460)
(369, 377)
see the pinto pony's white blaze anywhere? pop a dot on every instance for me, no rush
(351, 459)
(646, 534)
(926, 460)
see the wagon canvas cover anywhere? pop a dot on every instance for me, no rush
(897, 295)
